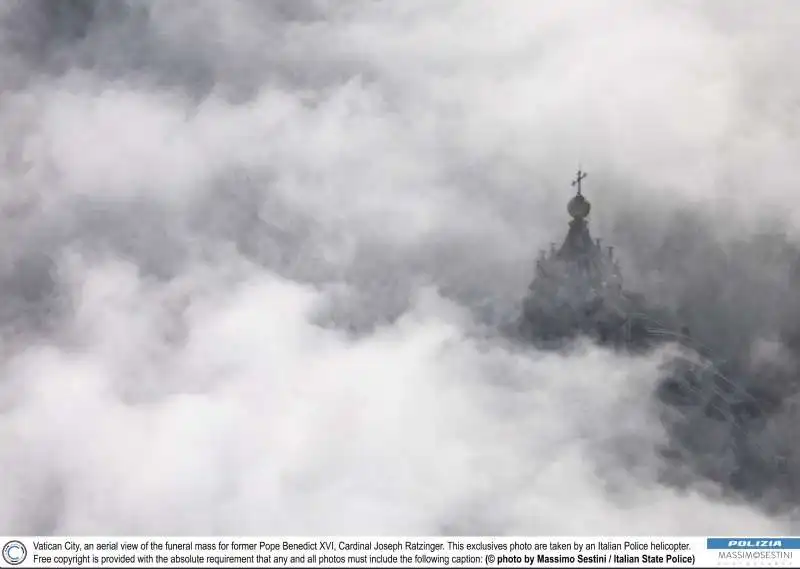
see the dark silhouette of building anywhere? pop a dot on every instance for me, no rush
(716, 423)
(578, 291)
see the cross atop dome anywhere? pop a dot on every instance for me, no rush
(579, 207)
(577, 181)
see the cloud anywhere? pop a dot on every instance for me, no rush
(273, 246)
(260, 421)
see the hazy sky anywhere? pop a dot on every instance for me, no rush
(254, 256)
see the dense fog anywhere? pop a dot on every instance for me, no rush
(256, 257)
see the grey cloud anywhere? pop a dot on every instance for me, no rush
(256, 257)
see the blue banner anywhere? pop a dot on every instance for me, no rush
(753, 543)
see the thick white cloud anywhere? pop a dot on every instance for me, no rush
(259, 421)
(343, 166)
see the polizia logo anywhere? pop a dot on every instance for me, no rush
(756, 543)
(14, 552)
